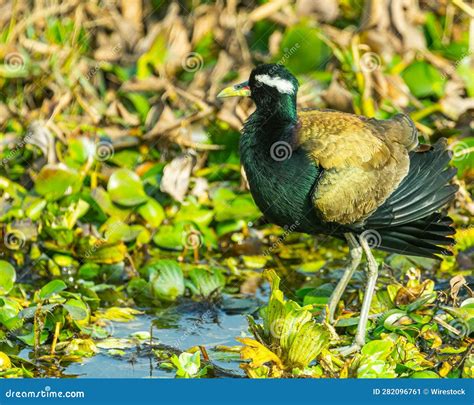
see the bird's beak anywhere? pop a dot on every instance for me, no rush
(242, 90)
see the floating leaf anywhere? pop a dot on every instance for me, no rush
(126, 188)
(152, 212)
(166, 279)
(56, 181)
(7, 277)
(207, 282)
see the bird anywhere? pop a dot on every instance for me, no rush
(359, 179)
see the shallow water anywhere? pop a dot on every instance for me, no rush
(180, 327)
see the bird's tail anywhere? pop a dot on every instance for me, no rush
(409, 221)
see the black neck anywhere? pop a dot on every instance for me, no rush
(277, 111)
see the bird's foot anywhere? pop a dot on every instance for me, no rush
(348, 350)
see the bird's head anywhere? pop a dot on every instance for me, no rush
(268, 85)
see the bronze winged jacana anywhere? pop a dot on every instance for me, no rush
(339, 174)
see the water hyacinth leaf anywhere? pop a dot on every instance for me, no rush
(53, 287)
(424, 80)
(125, 188)
(376, 368)
(29, 339)
(289, 328)
(292, 323)
(82, 347)
(115, 230)
(187, 364)
(7, 277)
(77, 309)
(307, 344)
(80, 150)
(169, 237)
(258, 353)
(193, 213)
(166, 280)
(103, 200)
(55, 181)
(118, 314)
(34, 207)
(152, 212)
(378, 349)
(206, 282)
(99, 251)
(424, 374)
(115, 343)
(9, 309)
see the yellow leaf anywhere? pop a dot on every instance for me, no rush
(119, 314)
(258, 353)
(445, 369)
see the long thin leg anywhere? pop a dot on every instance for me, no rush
(355, 252)
(372, 273)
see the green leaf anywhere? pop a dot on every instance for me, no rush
(424, 80)
(424, 374)
(7, 277)
(152, 212)
(56, 181)
(378, 349)
(53, 287)
(77, 309)
(125, 188)
(207, 282)
(302, 50)
(166, 279)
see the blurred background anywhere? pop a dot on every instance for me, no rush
(116, 155)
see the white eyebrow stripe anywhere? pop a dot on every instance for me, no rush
(282, 85)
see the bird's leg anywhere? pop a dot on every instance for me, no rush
(372, 273)
(355, 252)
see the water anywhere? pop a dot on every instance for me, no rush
(180, 327)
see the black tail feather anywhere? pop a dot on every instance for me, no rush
(409, 221)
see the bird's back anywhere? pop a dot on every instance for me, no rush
(364, 160)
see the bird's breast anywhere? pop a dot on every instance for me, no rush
(281, 181)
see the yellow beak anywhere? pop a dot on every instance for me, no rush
(242, 90)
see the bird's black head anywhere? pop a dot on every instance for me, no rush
(273, 89)
(271, 83)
